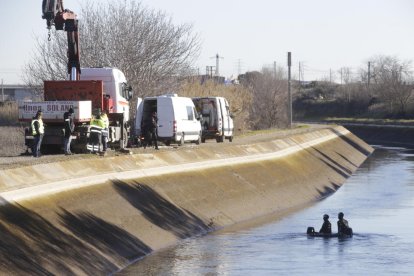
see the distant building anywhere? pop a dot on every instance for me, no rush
(15, 93)
(216, 79)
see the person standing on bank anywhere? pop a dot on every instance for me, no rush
(105, 131)
(153, 129)
(69, 128)
(95, 136)
(38, 130)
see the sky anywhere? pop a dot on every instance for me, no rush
(322, 35)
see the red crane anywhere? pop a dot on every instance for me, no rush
(64, 19)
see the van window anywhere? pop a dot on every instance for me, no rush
(190, 114)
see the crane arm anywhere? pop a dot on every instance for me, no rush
(64, 19)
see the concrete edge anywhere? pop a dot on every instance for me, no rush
(81, 182)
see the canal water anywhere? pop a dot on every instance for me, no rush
(378, 202)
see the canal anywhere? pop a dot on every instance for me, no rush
(378, 202)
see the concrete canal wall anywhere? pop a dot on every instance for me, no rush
(98, 215)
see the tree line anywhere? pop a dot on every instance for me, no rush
(385, 89)
(157, 56)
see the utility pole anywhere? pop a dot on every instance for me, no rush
(217, 57)
(239, 66)
(2, 90)
(341, 75)
(289, 61)
(300, 77)
(274, 68)
(209, 71)
(369, 72)
(330, 76)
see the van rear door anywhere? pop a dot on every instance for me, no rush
(138, 116)
(166, 117)
(227, 120)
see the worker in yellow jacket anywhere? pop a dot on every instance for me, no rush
(95, 133)
(105, 131)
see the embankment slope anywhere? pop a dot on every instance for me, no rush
(98, 215)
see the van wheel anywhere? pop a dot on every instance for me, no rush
(231, 139)
(167, 143)
(198, 141)
(182, 139)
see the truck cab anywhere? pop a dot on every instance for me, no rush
(115, 87)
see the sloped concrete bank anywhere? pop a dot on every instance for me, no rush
(89, 216)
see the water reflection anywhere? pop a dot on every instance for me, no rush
(378, 202)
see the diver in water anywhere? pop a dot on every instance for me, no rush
(343, 226)
(326, 226)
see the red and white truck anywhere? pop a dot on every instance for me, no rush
(107, 90)
(86, 90)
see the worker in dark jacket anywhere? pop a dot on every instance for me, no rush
(38, 130)
(343, 226)
(153, 129)
(326, 226)
(69, 128)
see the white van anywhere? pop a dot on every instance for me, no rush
(216, 121)
(178, 120)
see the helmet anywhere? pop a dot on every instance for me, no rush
(325, 216)
(340, 215)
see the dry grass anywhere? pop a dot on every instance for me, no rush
(11, 130)
(9, 114)
(11, 141)
(406, 122)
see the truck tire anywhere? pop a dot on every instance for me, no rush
(203, 140)
(231, 139)
(220, 139)
(181, 143)
(168, 142)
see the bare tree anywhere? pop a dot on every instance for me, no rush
(143, 43)
(345, 74)
(392, 83)
(269, 106)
